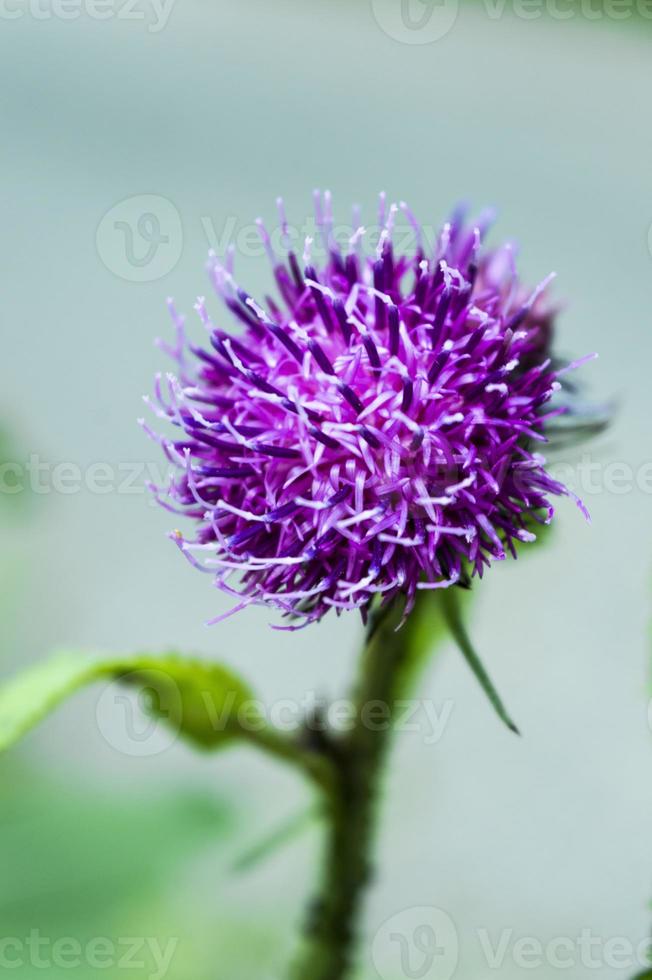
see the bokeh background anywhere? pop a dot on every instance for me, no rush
(214, 108)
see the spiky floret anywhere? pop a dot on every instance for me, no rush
(369, 433)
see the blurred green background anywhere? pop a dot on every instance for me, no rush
(214, 108)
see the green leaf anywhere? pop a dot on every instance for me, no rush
(419, 634)
(202, 701)
(452, 614)
(199, 700)
(425, 630)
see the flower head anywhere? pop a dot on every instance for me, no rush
(371, 431)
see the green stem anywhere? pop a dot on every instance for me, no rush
(357, 760)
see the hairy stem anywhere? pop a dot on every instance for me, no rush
(357, 759)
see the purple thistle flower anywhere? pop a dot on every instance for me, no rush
(371, 432)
